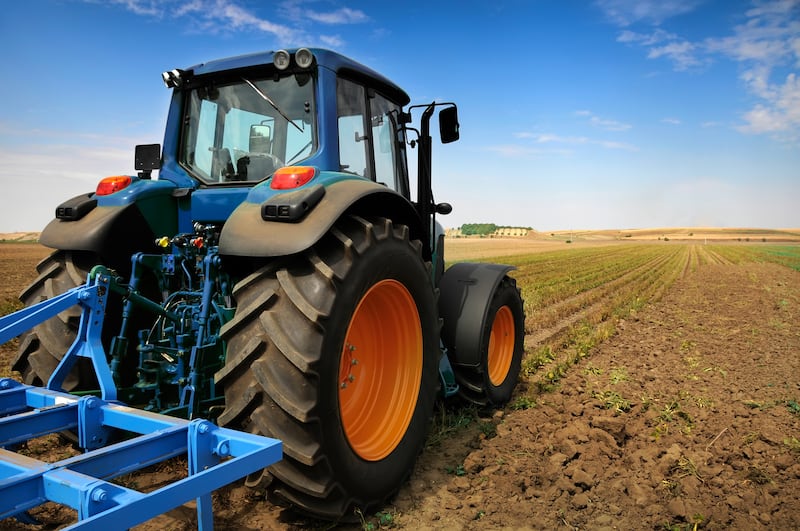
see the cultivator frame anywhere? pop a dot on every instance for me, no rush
(215, 456)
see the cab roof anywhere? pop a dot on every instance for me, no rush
(324, 58)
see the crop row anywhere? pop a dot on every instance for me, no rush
(576, 301)
(549, 278)
(788, 255)
(614, 282)
(574, 298)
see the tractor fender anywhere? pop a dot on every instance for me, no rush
(465, 293)
(247, 233)
(114, 232)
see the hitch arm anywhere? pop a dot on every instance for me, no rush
(92, 298)
(18, 322)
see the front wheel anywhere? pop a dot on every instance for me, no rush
(493, 381)
(335, 353)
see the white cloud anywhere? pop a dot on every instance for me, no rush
(299, 12)
(332, 41)
(766, 45)
(42, 168)
(646, 39)
(552, 138)
(222, 16)
(344, 15)
(671, 121)
(31, 191)
(747, 45)
(780, 112)
(194, 6)
(796, 49)
(627, 12)
(611, 144)
(683, 54)
(517, 150)
(142, 7)
(603, 123)
(768, 37)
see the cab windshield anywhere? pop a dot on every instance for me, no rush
(246, 129)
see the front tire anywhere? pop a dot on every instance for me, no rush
(335, 353)
(493, 381)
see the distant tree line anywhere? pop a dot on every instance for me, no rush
(470, 229)
(482, 229)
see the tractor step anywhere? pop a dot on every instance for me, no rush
(215, 456)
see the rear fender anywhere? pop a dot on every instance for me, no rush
(115, 231)
(465, 293)
(247, 233)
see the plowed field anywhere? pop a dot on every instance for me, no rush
(660, 390)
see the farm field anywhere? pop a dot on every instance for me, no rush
(660, 390)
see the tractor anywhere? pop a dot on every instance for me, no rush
(277, 277)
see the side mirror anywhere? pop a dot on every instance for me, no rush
(448, 124)
(147, 158)
(260, 138)
(444, 208)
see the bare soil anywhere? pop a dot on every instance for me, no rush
(687, 418)
(17, 270)
(688, 415)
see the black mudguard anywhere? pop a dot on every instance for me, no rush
(465, 293)
(248, 233)
(113, 233)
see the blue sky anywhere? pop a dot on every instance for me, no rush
(574, 115)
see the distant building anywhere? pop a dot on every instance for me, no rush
(511, 231)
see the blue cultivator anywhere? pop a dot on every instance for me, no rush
(215, 456)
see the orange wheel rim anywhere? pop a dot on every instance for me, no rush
(380, 370)
(501, 346)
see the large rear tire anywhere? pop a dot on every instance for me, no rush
(493, 382)
(335, 353)
(42, 347)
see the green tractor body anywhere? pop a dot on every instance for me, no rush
(279, 278)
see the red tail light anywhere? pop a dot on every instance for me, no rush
(109, 185)
(292, 177)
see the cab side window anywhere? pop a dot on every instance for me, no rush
(368, 135)
(383, 120)
(353, 141)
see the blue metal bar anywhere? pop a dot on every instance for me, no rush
(92, 298)
(199, 461)
(12, 464)
(12, 401)
(38, 422)
(215, 456)
(18, 322)
(18, 494)
(88, 343)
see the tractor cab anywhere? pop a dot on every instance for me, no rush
(234, 124)
(241, 129)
